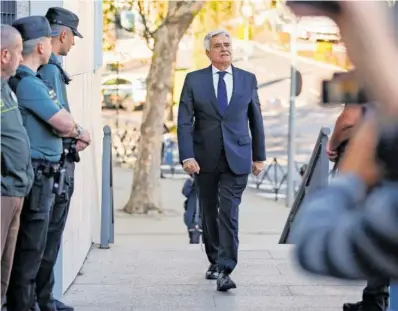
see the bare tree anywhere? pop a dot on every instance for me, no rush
(145, 195)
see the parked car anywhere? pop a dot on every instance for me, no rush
(131, 21)
(123, 91)
(312, 28)
(318, 29)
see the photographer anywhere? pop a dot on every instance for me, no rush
(350, 229)
(345, 124)
(376, 293)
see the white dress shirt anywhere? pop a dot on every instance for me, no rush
(228, 78)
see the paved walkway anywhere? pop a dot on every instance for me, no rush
(152, 267)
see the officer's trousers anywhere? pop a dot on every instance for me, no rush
(31, 242)
(10, 214)
(58, 216)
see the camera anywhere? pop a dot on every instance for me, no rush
(342, 92)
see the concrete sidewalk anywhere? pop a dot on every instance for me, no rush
(152, 266)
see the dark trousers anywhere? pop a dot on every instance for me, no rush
(31, 242)
(220, 194)
(58, 216)
(376, 294)
(162, 153)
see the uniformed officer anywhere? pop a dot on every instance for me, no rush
(65, 22)
(16, 167)
(46, 121)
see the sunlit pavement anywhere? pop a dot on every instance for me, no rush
(152, 266)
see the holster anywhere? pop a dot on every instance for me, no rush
(59, 181)
(59, 178)
(73, 154)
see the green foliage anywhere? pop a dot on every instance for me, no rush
(109, 17)
(213, 15)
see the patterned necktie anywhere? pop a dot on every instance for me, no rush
(222, 97)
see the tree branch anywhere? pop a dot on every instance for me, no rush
(148, 34)
(182, 11)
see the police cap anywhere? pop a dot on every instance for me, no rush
(61, 16)
(34, 27)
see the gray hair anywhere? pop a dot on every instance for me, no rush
(8, 36)
(211, 34)
(59, 28)
(30, 45)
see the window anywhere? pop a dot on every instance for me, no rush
(139, 84)
(8, 11)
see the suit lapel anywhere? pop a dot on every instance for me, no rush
(209, 89)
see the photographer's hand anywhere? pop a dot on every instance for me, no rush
(360, 157)
(332, 154)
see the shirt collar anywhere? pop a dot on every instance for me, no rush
(54, 59)
(215, 70)
(3, 84)
(23, 68)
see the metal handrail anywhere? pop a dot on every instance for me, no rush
(125, 150)
(316, 175)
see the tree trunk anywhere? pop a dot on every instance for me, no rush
(170, 96)
(146, 192)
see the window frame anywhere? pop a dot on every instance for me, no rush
(8, 11)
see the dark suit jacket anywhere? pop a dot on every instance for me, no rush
(203, 132)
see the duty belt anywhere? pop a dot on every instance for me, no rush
(47, 168)
(67, 143)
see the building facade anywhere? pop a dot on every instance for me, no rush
(84, 65)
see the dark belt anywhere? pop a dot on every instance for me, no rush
(47, 168)
(67, 145)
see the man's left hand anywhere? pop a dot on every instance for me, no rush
(80, 145)
(257, 167)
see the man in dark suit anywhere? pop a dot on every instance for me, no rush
(218, 106)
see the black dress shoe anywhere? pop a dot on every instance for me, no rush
(374, 305)
(224, 282)
(35, 307)
(212, 272)
(352, 306)
(62, 307)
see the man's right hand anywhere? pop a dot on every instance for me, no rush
(191, 166)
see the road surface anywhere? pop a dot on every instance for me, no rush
(270, 67)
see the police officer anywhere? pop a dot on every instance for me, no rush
(65, 22)
(46, 121)
(16, 167)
